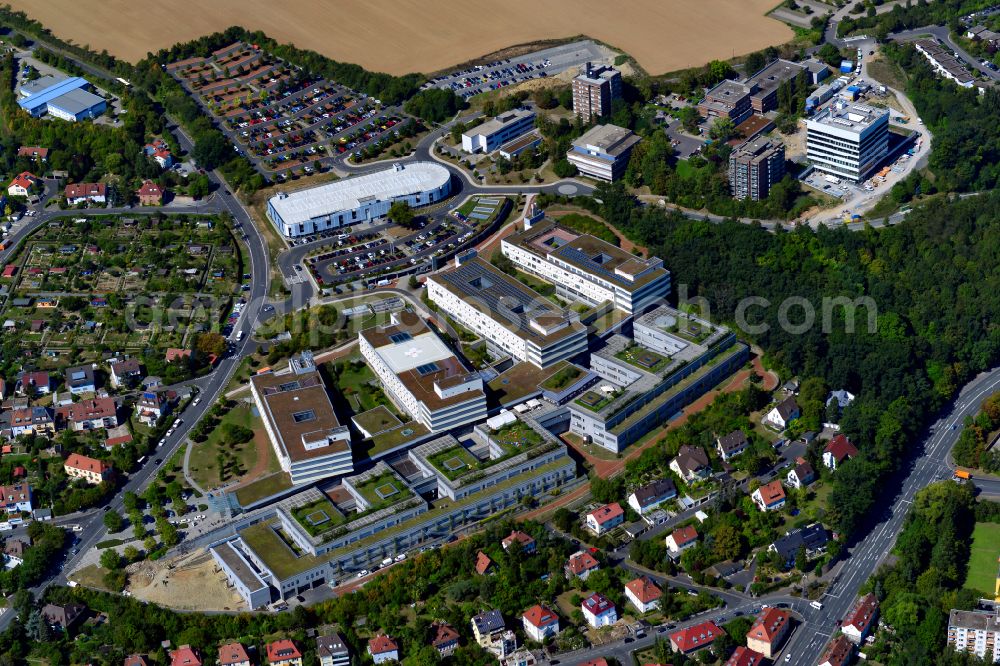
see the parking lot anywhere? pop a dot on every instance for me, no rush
(498, 74)
(283, 118)
(380, 250)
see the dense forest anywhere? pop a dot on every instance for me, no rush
(966, 150)
(927, 329)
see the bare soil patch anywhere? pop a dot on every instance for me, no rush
(190, 582)
(427, 36)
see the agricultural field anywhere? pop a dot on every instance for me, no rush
(78, 287)
(282, 118)
(427, 36)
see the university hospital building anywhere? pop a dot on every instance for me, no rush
(476, 453)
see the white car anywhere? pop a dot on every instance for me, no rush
(363, 573)
(401, 557)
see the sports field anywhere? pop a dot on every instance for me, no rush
(983, 558)
(403, 36)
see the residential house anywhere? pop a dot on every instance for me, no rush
(332, 650)
(600, 661)
(813, 538)
(13, 552)
(650, 496)
(783, 413)
(80, 380)
(445, 638)
(31, 420)
(484, 565)
(732, 444)
(79, 193)
(801, 475)
(22, 184)
(151, 407)
(842, 398)
(383, 649)
(540, 623)
(691, 463)
(681, 539)
(185, 655)
(159, 151)
(150, 194)
(694, 638)
(858, 623)
(125, 372)
(769, 631)
(605, 518)
(643, 594)
(233, 654)
(34, 153)
(580, 564)
(89, 469)
(744, 656)
(837, 450)
(89, 414)
(487, 626)
(37, 381)
(838, 652)
(173, 354)
(598, 611)
(135, 660)
(16, 498)
(63, 617)
(283, 652)
(526, 541)
(769, 497)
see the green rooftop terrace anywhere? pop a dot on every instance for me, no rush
(382, 491)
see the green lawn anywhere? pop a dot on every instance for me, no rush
(388, 440)
(589, 225)
(357, 385)
(382, 491)
(983, 559)
(562, 378)
(265, 487)
(204, 466)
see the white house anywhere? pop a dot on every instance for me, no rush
(650, 496)
(783, 413)
(599, 611)
(383, 649)
(540, 623)
(681, 539)
(837, 451)
(769, 497)
(605, 518)
(643, 594)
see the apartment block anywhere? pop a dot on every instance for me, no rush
(308, 540)
(587, 269)
(849, 141)
(766, 82)
(512, 319)
(755, 166)
(729, 99)
(594, 90)
(421, 375)
(306, 435)
(976, 632)
(671, 360)
(603, 151)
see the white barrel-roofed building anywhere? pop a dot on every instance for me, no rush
(357, 199)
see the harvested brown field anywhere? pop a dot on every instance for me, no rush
(425, 35)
